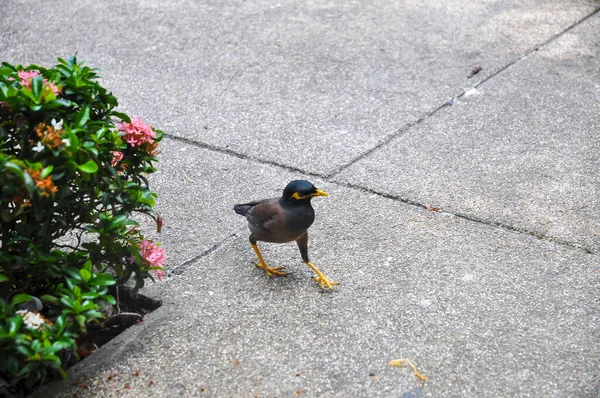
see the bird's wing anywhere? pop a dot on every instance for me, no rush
(264, 213)
(243, 208)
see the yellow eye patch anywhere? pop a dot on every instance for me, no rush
(296, 195)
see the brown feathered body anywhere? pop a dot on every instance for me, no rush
(277, 220)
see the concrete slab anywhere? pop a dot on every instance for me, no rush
(522, 150)
(197, 189)
(482, 311)
(306, 84)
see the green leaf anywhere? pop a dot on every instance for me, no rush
(88, 167)
(61, 102)
(6, 216)
(25, 369)
(24, 351)
(85, 274)
(47, 298)
(46, 172)
(20, 298)
(80, 320)
(49, 95)
(118, 220)
(110, 299)
(36, 88)
(66, 302)
(4, 278)
(89, 295)
(72, 272)
(63, 374)
(3, 90)
(121, 116)
(88, 266)
(93, 314)
(15, 169)
(82, 117)
(14, 324)
(50, 358)
(60, 323)
(27, 93)
(100, 133)
(102, 280)
(66, 341)
(88, 305)
(18, 171)
(76, 306)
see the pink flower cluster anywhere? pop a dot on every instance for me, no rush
(28, 75)
(117, 157)
(154, 256)
(137, 132)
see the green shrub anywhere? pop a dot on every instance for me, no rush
(72, 172)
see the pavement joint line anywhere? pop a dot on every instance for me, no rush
(178, 269)
(538, 235)
(241, 156)
(406, 201)
(495, 73)
(531, 51)
(392, 136)
(506, 227)
(384, 142)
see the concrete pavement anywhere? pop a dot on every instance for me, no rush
(494, 295)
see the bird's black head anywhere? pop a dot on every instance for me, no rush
(300, 191)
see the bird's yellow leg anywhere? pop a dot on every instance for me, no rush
(320, 278)
(263, 265)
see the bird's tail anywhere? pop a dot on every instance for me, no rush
(241, 209)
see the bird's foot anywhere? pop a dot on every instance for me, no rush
(322, 280)
(276, 271)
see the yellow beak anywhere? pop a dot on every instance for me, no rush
(320, 193)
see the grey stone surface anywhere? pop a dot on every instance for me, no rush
(482, 311)
(307, 84)
(197, 190)
(523, 150)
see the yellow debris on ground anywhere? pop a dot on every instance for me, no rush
(405, 362)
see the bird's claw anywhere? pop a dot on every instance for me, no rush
(276, 271)
(322, 280)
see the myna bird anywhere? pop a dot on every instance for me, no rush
(281, 220)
